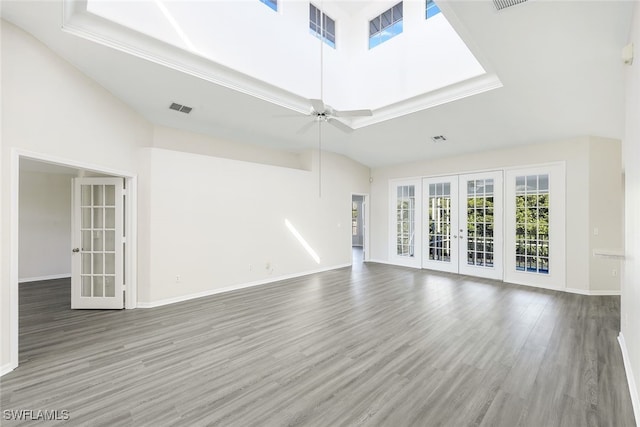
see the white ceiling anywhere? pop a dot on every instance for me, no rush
(559, 63)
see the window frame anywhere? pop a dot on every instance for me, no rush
(431, 9)
(271, 4)
(555, 278)
(388, 31)
(328, 37)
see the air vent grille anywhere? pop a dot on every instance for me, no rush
(181, 108)
(503, 4)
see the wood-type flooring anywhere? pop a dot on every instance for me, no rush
(375, 345)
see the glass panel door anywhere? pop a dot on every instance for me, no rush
(462, 230)
(405, 247)
(535, 242)
(97, 279)
(481, 224)
(440, 223)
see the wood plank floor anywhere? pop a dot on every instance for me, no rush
(375, 345)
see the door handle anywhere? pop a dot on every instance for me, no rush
(75, 250)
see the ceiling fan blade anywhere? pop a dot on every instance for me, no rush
(337, 123)
(353, 113)
(306, 127)
(318, 105)
(280, 116)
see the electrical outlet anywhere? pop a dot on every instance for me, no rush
(250, 267)
(178, 278)
(268, 266)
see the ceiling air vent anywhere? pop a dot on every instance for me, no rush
(181, 108)
(438, 138)
(503, 4)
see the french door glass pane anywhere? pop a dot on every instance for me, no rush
(532, 223)
(97, 286)
(97, 217)
(110, 263)
(85, 195)
(109, 240)
(86, 218)
(85, 288)
(480, 222)
(109, 218)
(109, 195)
(98, 260)
(109, 286)
(86, 240)
(439, 221)
(98, 195)
(98, 241)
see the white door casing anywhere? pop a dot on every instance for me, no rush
(97, 279)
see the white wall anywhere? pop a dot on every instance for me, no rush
(179, 140)
(630, 299)
(52, 109)
(202, 217)
(576, 153)
(219, 223)
(45, 226)
(606, 205)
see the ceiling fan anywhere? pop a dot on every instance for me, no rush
(322, 112)
(325, 113)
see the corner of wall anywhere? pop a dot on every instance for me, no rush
(606, 201)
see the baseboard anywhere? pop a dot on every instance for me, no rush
(591, 293)
(633, 389)
(380, 261)
(5, 369)
(234, 287)
(41, 278)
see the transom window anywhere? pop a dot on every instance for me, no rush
(273, 4)
(385, 26)
(532, 223)
(432, 9)
(322, 26)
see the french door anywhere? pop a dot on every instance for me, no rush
(97, 235)
(463, 224)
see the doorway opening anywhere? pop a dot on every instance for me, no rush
(41, 230)
(359, 222)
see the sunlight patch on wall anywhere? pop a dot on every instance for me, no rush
(302, 241)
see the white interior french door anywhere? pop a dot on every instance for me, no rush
(463, 224)
(97, 279)
(441, 223)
